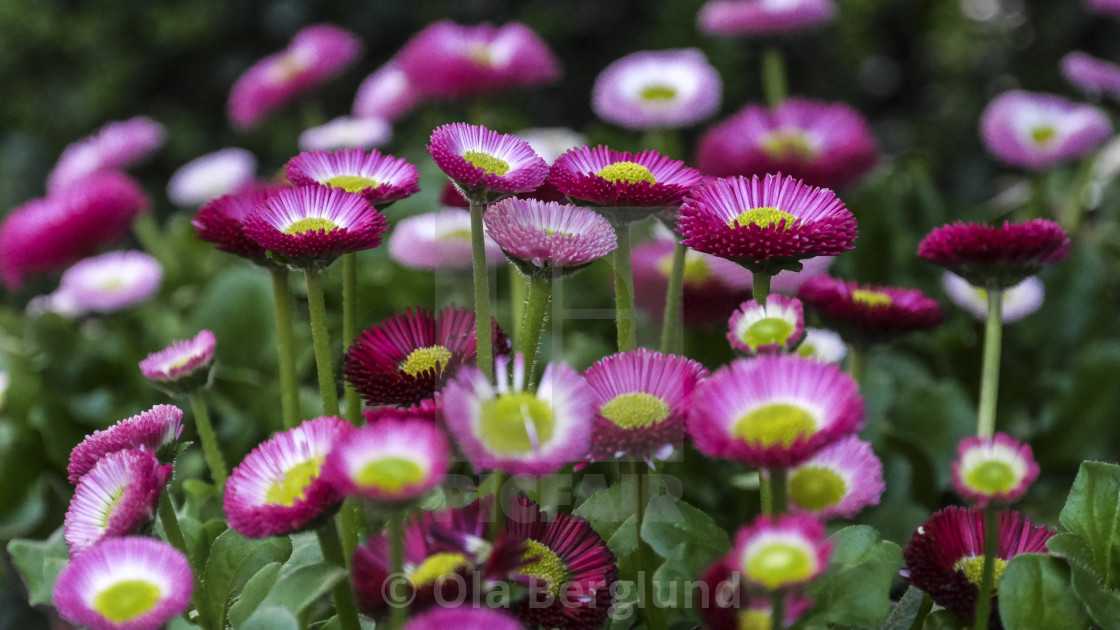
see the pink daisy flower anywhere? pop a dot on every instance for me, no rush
(111, 282)
(387, 94)
(664, 89)
(865, 314)
(839, 481)
(222, 222)
(825, 144)
(392, 461)
(449, 60)
(547, 238)
(604, 177)
(771, 328)
(182, 367)
(1091, 75)
(438, 240)
(777, 553)
(774, 411)
(994, 257)
(345, 132)
(1037, 131)
(316, 54)
(116, 498)
(114, 147)
(763, 17)
(153, 430)
(730, 605)
(993, 470)
(210, 176)
(482, 161)
(381, 179)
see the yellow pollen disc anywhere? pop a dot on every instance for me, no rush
(544, 564)
(806, 350)
(871, 298)
(455, 235)
(111, 284)
(754, 620)
(126, 600)
(492, 165)
(629, 172)
(422, 360)
(658, 93)
(1044, 134)
(289, 489)
(696, 269)
(516, 423)
(309, 224)
(779, 564)
(480, 55)
(352, 183)
(788, 144)
(390, 474)
(992, 477)
(635, 410)
(973, 569)
(436, 567)
(775, 424)
(816, 488)
(766, 331)
(764, 218)
(111, 507)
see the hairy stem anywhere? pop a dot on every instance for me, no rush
(483, 331)
(209, 441)
(671, 321)
(989, 379)
(285, 347)
(320, 336)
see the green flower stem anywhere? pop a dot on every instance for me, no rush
(671, 321)
(174, 532)
(857, 362)
(778, 610)
(989, 380)
(1037, 206)
(1075, 204)
(350, 328)
(624, 290)
(536, 311)
(642, 558)
(397, 611)
(350, 525)
(774, 84)
(498, 514)
(322, 340)
(988, 577)
(777, 485)
(923, 612)
(341, 594)
(764, 499)
(484, 334)
(209, 442)
(285, 348)
(761, 287)
(518, 293)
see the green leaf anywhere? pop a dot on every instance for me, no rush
(856, 589)
(906, 610)
(1035, 594)
(1093, 512)
(611, 514)
(298, 589)
(233, 560)
(254, 592)
(39, 562)
(1103, 603)
(271, 618)
(944, 620)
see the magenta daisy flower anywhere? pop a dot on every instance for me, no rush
(48, 234)
(997, 469)
(391, 461)
(210, 176)
(184, 366)
(789, 282)
(222, 222)
(1091, 75)
(569, 567)
(112, 282)
(429, 410)
(316, 54)
(482, 161)
(763, 17)
(713, 287)
(641, 400)
(115, 146)
(775, 327)
(387, 94)
(777, 553)
(993, 257)
(825, 144)
(116, 498)
(410, 356)
(1018, 301)
(604, 177)
(464, 618)
(774, 411)
(345, 132)
(839, 481)
(549, 238)
(766, 225)
(727, 603)
(277, 489)
(822, 345)
(381, 179)
(310, 226)
(152, 430)
(128, 583)
(509, 428)
(1037, 131)
(449, 60)
(438, 240)
(865, 314)
(945, 558)
(664, 89)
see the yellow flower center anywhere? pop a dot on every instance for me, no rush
(1043, 134)
(871, 298)
(111, 507)
(390, 474)
(635, 410)
(696, 269)
(480, 54)
(290, 488)
(126, 600)
(764, 217)
(629, 172)
(436, 567)
(973, 569)
(544, 564)
(766, 331)
(775, 424)
(816, 488)
(657, 92)
(754, 620)
(455, 235)
(516, 423)
(992, 477)
(779, 564)
(309, 224)
(422, 360)
(492, 165)
(788, 144)
(352, 183)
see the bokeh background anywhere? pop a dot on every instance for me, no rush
(921, 71)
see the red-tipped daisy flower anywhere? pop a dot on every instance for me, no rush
(549, 238)
(771, 328)
(222, 222)
(998, 469)
(642, 183)
(381, 179)
(393, 461)
(865, 314)
(184, 366)
(777, 553)
(839, 481)
(154, 430)
(996, 257)
(484, 162)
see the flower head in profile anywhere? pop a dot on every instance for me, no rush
(766, 225)
(409, 357)
(945, 557)
(114, 147)
(387, 94)
(763, 17)
(45, 235)
(210, 176)
(311, 226)
(438, 240)
(998, 469)
(865, 314)
(642, 399)
(112, 282)
(345, 132)
(130, 583)
(777, 553)
(222, 222)
(449, 60)
(1037, 131)
(393, 461)
(824, 144)
(316, 54)
(774, 411)
(182, 367)
(506, 426)
(485, 162)
(839, 481)
(116, 498)
(381, 179)
(996, 257)
(771, 328)
(1091, 75)
(277, 489)
(664, 89)
(1019, 300)
(637, 183)
(153, 430)
(549, 238)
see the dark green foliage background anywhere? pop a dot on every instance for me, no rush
(920, 71)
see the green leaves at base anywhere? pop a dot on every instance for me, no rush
(856, 589)
(39, 562)
(1102, 602)
(1092, 511)
(1035, 594)
(610, 513)
(233, 560)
